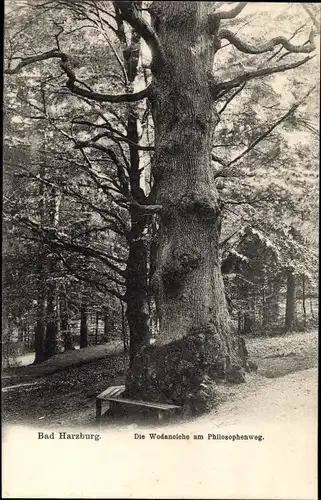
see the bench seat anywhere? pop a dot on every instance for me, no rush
(113, 396)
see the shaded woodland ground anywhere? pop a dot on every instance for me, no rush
(55, 394)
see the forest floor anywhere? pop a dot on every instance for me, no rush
(62, 391)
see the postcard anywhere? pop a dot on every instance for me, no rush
(160, 249)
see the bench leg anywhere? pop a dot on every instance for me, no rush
(98, 409)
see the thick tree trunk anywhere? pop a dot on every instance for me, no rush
(195, 345)
(290, 311)
(83, 326)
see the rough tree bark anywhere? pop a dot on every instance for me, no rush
(195, 346)
(136, 279)
(290, 310)
(136, 271)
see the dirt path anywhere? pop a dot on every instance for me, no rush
(63, 391)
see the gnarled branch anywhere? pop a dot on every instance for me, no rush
(267, 46)
(72, 79)
(26, 61)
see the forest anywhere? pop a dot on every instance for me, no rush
(160, 172)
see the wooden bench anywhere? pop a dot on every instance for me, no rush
(113, 396)
(115, 391)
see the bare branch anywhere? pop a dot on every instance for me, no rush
(98, 285)
(268, 46)
(83, 144)
(58, 240)
(275, 54)
(26, 61)
(231, 97)
(311, 15)
(271, 128)
(230, 14)
(258, 73)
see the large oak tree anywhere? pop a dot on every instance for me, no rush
(196, 345)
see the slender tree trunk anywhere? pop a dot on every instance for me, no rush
(311, 306)
(28, 336)
(20, 331)
(136, 291)
(51, 328)
(40, 328)
(264, 315)
(25, 333)
(106, 327)
(136, 281)
(97, 328)
(65, 326)
(195, 344)
(271, 306)
(290, 311)
(7, 328)
(83, 326)
(304, 302)
(249, 316)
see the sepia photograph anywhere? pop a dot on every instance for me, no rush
(160, 262)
